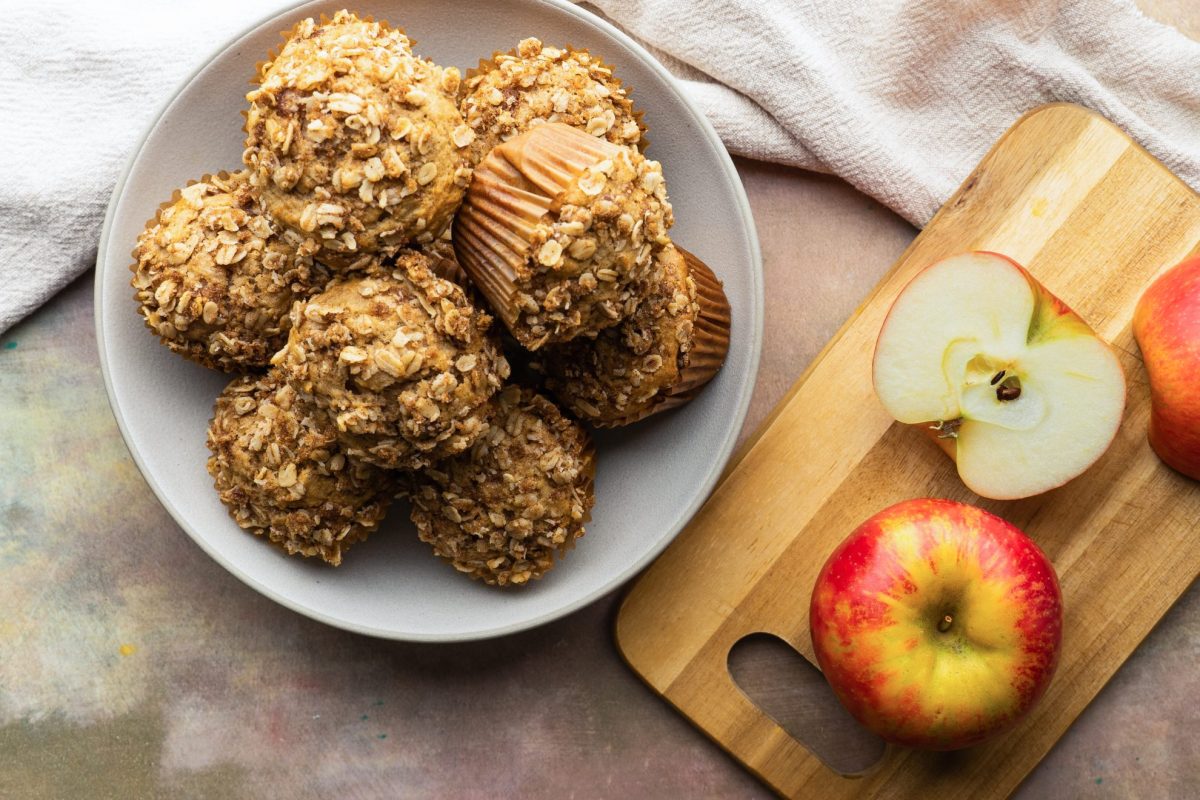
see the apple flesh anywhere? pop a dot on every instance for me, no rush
(1166, 325)
(980, 353)
(937, 624)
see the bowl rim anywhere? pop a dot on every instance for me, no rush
(722, 452)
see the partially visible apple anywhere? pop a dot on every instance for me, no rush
(1166, 325)
(975, 349)
(937, 624)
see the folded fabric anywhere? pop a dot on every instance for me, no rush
(81, 82)
(900, 98)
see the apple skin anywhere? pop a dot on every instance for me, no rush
(1052, 317)
(1166, 325)
(876, 610)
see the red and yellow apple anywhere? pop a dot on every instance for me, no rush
(1166, 325)
(937, 624)
(1020, 391)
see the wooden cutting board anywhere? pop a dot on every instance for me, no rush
(1094, 217)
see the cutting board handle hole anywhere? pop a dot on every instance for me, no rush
(790, 690)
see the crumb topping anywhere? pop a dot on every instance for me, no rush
(400, 359)
(353, 140)
(584, 258)
(215, 278)
(626, 370)
(504, 511)
(279, 469)
(535, 84)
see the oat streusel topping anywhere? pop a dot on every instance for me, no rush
(588, 258)
(503, 511)
(535, 84)
(623, 373)
(354, 141)
(588, 254)
(214, 278)
(279, 470)
(400, 359)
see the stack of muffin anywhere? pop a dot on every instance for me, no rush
(326, 272)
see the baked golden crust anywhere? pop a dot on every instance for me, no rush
(532, 84)
(627, 370)
(558, 230)
(215, 279)
(400, 359)
(354, 141)
(504, 511)
(280, 471)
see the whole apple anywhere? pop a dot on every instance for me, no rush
(1166, 325)
(937, 624)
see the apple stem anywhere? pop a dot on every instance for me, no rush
(947, 429)
(944, 623)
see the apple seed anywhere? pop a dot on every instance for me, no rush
(1010, 389)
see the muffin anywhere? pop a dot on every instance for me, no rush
(400, 360)
(279, 470)
(215, 279)
(558, 229)
(657, 359)
(354, 141)
(532, 84)
(503, 511)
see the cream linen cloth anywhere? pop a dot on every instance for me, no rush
(899, 97)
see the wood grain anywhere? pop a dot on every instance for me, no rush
(1094, 217)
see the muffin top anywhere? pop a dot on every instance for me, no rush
(502, 511)
(279, 469)
(215, 278)
(354, 141)
(628, 369)
(591, 217)
(534, 84)
(400, 359)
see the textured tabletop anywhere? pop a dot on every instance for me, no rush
(132, 665)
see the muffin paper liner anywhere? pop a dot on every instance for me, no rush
(710, 343)
(513, 188)
(444, 263)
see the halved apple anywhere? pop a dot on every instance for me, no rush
(1025, 394)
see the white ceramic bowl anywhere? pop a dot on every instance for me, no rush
(651, 477)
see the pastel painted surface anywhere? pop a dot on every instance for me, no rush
(132, 665)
